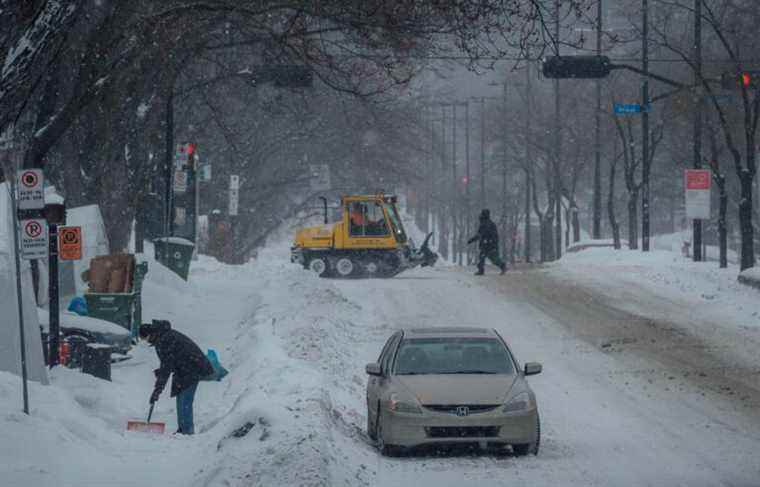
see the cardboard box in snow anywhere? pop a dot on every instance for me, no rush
(10, 349)
(112, 274)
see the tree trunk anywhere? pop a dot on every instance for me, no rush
(576, 224)
(722, 230)
(549, 237)
(633, 218)
(614, 225)
(745, 221)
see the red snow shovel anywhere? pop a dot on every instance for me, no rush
(146, 426)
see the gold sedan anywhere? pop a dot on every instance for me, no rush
(450, 386)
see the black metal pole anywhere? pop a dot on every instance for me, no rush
(455, 192)
(468, 206)
(697, 224)
(557, 148)
(646, 159)
(53, 310)
(324, 202)
(482, 152)
(169, 163)
(529, 159)
(597, 212)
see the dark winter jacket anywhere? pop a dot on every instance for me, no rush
(487, 236)
(180, 356)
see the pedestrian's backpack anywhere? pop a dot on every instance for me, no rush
(219, 371)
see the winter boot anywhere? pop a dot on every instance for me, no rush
(503, 269)
(479, 273)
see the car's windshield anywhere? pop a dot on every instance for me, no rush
(453, 355)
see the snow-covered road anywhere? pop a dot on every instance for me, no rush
(296, 346)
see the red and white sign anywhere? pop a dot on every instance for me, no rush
(698, 179)
(697, 184)
(34, 239)
(31, 193)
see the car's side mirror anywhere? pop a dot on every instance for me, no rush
(374, 369)
(532, 368)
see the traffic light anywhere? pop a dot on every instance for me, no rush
(747, 79)
(579, 67)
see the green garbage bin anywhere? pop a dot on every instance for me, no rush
(175, 253)
(124, 309)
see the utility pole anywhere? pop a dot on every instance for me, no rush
(468, 206)
(646, 159)
(597, 216)
(528, 158)
(557, 146)
(697, 224)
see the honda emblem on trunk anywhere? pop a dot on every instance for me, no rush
(463, 411)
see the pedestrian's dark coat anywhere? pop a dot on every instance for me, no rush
(180, 356)
(488, 234)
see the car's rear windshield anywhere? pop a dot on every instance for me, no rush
(454, 355)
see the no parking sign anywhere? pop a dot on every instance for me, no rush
(70, 243)
(34, 239)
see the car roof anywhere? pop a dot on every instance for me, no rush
(449, 332)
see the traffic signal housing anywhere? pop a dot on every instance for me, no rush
(736, 81)
(578, 67)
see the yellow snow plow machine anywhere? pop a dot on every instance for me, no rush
(368, 241)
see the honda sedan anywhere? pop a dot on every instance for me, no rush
(438, 386)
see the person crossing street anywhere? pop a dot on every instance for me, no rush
(488, 239)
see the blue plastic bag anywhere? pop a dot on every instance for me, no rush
(79, 306)
(219, 371)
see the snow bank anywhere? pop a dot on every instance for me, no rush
(750, 277)
(710, 292)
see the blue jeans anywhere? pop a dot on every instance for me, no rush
(185, 410)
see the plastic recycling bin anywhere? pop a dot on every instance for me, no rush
(96, 360)
(124, 309)
(175, 253)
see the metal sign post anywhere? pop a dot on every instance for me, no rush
(19, 296)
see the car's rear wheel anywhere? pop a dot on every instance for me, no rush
(527, 448)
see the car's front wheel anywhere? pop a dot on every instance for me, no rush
(386, 450)
(527, 448)
(371, 427)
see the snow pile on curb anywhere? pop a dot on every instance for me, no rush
(750, 277)
(666, 277)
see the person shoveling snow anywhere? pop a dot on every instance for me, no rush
(179, 355)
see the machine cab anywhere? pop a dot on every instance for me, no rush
(372, 222)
